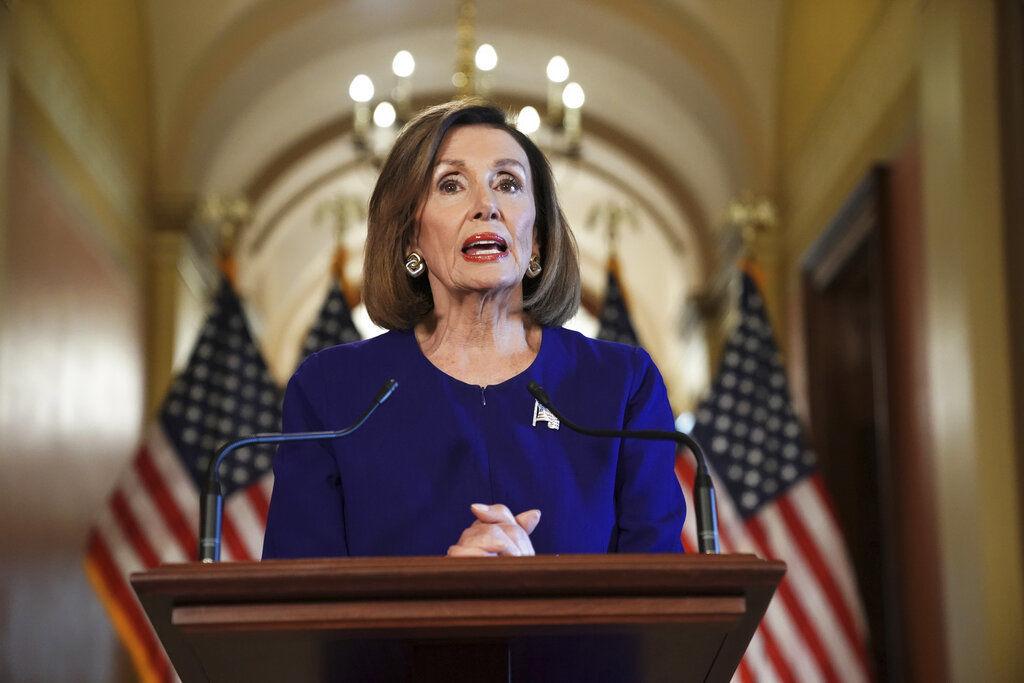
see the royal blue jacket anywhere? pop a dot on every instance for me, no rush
(403, 483)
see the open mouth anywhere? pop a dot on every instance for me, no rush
(484, 246)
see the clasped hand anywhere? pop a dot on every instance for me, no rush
(496, 531)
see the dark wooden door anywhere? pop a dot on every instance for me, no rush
(845, 295)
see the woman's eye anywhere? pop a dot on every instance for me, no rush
(448, 186)
(509, 183)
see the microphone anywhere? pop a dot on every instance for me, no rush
(211, 504)
(703, 488)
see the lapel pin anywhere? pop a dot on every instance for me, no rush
(542, 414)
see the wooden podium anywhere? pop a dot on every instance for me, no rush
(546, 618)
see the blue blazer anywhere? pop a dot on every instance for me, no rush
(403, 483)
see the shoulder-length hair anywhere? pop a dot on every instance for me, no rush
(396, 301)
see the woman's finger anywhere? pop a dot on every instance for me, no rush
(468, 551)
(519, 536)
(492, 514)
(528, 520)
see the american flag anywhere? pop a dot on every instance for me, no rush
(151, 518)
(771, 502)
(333, 325)
(615, 324)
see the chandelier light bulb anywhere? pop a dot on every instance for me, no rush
(573, 96)
(486, 57)
(403, 64)
(528, 120)
(361, 89)
(558, 69)
(384, 115)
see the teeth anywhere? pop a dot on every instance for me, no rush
(486, 247)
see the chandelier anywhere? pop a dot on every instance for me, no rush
(376, 120)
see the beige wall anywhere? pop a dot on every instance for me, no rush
(894, 70)
(72, 370)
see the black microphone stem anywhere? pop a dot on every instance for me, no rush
(211, 504)
(703, 487)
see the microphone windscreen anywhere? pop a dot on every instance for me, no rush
(537, 391)
(386, 391)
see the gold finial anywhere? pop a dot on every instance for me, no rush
(609, 217)
(465, 32)
(345, 210)
(228, 214)
(752, 217)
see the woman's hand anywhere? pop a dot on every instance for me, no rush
(496, 532)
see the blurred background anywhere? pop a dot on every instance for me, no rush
(867, 154)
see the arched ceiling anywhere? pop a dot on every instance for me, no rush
(692, 80)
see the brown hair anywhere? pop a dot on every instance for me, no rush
(396, 301)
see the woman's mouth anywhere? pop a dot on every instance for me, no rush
(484, 246)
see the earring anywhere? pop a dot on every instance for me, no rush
(533, 270)
(414, 264)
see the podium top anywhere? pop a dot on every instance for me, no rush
(550, 617)
(407, 577)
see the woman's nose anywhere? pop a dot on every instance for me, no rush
(486, 208)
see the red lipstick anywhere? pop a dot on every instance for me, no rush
(483, 247)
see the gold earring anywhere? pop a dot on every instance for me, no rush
(533, 270)
(414, 264)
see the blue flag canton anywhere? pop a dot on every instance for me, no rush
(615, 324)
(747, 422)
(224, 392)
(333, 325)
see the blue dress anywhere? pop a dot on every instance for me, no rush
(403, 483)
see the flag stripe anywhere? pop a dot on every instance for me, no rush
(232, 540)
(156, 487)
(148, 519)
(259, 501)
(743, 674)
(809, 501)
(147, 652)
(130, 530)
(841, 656)
(177, 482)
(246, 520)
(794, 606)
(824, 578)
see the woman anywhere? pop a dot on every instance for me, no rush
(471, 265)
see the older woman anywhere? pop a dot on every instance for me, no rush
(471, 266)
